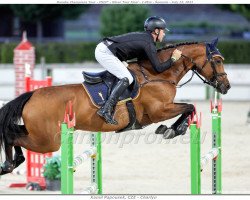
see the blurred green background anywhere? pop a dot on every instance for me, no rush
(69, 33)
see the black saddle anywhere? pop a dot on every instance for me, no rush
(100, 85)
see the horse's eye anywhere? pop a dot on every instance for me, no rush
(218, 62)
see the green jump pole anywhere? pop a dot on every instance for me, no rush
(216, 143)
(67, 177)
(67, 159)
(99, 161)
(195, 159)
(96, 162)
(68, 162)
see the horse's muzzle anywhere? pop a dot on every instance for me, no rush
(223, 88)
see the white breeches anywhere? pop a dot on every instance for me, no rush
(111, 63)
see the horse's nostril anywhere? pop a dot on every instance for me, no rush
(228, 86)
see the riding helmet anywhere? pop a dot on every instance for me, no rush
(154, 22)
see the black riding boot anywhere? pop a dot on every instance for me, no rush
(107, 110)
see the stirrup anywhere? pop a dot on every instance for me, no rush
(110, 120)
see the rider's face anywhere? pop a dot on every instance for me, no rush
(161, 35)
(158, 35)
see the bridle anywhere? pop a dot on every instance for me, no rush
(197, 69)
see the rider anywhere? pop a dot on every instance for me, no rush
(112, 51)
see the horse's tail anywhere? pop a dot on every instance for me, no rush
(10, 115)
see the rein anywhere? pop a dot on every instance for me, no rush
(163, 80)
(145, 76)
(195, 71)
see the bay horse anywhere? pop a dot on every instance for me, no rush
(42, 109)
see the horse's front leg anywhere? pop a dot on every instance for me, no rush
(170, 111)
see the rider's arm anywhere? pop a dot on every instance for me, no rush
(152, 56)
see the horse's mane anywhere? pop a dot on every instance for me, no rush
(176, 45)
(167, 47)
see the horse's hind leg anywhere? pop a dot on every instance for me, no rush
(19, 157)
(180, 126)
(8, 165)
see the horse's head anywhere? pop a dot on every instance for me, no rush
(210, 65)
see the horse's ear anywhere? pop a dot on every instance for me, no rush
(214, 42)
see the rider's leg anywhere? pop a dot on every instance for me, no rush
(108, 109)
(112, 64)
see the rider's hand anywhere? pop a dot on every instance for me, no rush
(176, 55)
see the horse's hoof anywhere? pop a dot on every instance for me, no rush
(2, 171)
(169, 134)
(182, 128)
(6, 168)
(161, 129)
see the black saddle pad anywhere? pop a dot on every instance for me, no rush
(100, 88)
